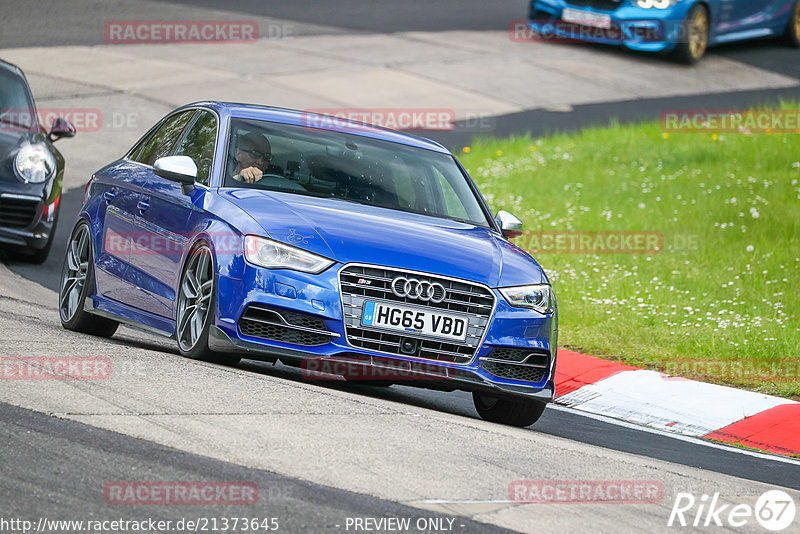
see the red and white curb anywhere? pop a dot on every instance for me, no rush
(674, 404)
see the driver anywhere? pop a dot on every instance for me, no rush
(251, 159)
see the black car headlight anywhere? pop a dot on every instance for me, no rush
(537, 297)
(34, 164)
(276, 255)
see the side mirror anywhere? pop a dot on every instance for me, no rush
(181, 169)
(510, 225)
(61, 128)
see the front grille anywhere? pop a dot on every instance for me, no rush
(361, 283)
(603, 5)
(512, 371)
(17, 212)
(284, 326)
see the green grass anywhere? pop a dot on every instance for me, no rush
(720, 301)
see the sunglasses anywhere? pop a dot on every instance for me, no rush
(257, 154)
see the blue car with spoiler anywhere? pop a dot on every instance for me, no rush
(683, 29)
(349, 251)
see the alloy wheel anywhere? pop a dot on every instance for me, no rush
(698, 34)
(74, 278)
(194, 300)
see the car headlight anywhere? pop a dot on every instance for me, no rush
(657, 4)
(276, 255)
(34, 164)
(537, 297)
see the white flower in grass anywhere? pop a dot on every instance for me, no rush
(750, 248)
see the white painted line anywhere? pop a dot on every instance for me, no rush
(666, 433)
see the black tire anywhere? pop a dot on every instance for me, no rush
(693, 39)
(792, 35)
(76, 318)
(197, 349)
(505, 411)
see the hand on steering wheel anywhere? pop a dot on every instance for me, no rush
(250, 175)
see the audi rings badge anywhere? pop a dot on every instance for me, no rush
(418, 289)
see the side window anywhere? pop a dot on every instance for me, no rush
(161, 142)
(199, 142)
(454, 207)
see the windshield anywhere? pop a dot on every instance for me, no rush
(15, 105)
(347, 167)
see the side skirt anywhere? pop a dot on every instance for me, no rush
(130, 316)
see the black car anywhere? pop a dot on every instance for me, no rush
(31, 170)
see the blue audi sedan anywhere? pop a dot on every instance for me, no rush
(681, 28)
(350, 251)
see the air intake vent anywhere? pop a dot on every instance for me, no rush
(285, 326)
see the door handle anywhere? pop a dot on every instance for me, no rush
(109, 196)
(143, 205)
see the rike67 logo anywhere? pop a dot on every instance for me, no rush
(775, 511)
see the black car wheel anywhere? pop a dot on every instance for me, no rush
(77, 278)
(505, 411)
(693, 39)
(196, 297)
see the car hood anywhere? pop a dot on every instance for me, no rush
(354, 233)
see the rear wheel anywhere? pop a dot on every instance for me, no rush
(693, 40)
(792, 35)
(196, 296)
(77, 279)
(520, 413)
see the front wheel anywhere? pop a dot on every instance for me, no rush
(77, 279)
(693, 39)
(792, 35)
(520, 413)
(196, 295)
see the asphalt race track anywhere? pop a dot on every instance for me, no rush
(323, 453)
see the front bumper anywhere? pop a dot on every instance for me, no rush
(26, 221)
(28, 211)
(646, 30)
(324, 349)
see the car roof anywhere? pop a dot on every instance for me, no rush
(317, 121)
(10, 67)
